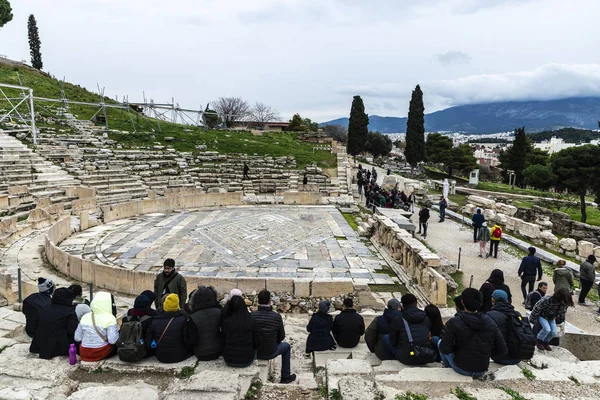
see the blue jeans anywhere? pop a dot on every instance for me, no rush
(448, 360)
(548, 330)
(283, 349)
(393, 350)
(442, 213)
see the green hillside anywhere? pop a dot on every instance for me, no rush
(186, 137)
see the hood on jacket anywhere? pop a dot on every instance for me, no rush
(503, 306)
(562, 271)
(496, 277)
(476, 321)
(204, 297)
(414, 315)
(389, 314)
(63, 296)
(101, 308)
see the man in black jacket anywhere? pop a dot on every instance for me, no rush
(348, 326)
(423, 218)
(35, 302)
(419, 326)
(206, 315)
(471, 338)
(527, 271)
(380, 327)
(272, 333)
(501, 313)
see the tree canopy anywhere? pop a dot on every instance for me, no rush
(521, 155)
(5, 12)
(232, 109)
(358, 127)
(337, 132)
(578, 169)
(539, 176)
(299, 124)
(415, 129)
(378, 144)
(438, 148)
(34, 43)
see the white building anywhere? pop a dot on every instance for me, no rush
(556, 144)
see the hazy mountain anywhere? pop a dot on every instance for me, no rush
(582, 112)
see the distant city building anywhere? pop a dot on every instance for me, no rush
(263, 126)
(557, 144)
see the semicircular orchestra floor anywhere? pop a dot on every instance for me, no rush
(271, 241)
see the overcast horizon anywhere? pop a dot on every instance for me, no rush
(311, 57)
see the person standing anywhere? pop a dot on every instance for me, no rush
(35, 302)
(549, 312)
(478, 220)
(348, 326)
(359, 183)
(587, 276)
(443, 204)
(423, 218)
(272, 332)
(305, 182)
(246, 170)
(495, 235)
(169, 281)
(483, 236)
(530, 264)
(562, 277)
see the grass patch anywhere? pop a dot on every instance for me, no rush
(253, 390)
(397, 288)
(504, 188)
(513, 394)
(186, 372)
(462, 395)
(3, 348)
(575, 380)
(439, 175)
(458, 277)
(528, 374)
(323, 390)
(335, 395)
(410, 396)
(351, 220)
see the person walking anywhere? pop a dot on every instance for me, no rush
(35, 302)
(495, 235)
(483, 236)
(246, 170)
(169, 281)
(562, 277)
(305, 182)
(319, 328)
(550, 312)
(359, 183)
(494, 282)
(530, 265)
(443, 204)
(587, 276)
(478, 219)
(348, 326)
(423, 218)
(379, 327)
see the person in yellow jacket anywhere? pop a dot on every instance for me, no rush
(495, 236)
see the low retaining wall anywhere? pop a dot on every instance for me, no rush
(420, 263)
(134, 282)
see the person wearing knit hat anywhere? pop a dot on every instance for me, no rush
(149, 294)
(35, 302)
(165, 333)
(320, 338)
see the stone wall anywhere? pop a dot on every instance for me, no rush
(419, 262)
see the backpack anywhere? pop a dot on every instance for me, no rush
(497, 233)
(520, 338)
(131, 346)
(529, 300)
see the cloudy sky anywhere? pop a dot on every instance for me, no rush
(312, 56)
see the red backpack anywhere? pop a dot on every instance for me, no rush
(497, 233)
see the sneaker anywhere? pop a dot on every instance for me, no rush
(547, 347)
(487, 256)
(481, 256)
(540, 345)
(288, 379)
(495, 256)
(424, 237)
(582, 304)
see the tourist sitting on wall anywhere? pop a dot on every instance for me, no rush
(55, 326)
(169, 281)
(241, 334)
(206, 315)
(35, 302)
(409, 340)
(141, 308)
(494, 282)
(435, 318)
(549, 312)
(348, 326)
(458, 305)
(320, 325)
(272, 332)
(471, 338)
(517, 340)
(536, 295)
(98, 330)
(166, 333)
(380, 327)
(227, 300)
(78, 292)
(562, 277)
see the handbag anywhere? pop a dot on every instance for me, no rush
(103, 337)
(423, 353)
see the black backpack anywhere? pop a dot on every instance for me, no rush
(131, 346)
(520, 338)
(529, 300)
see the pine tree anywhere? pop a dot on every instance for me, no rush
(34, 43)
(415, 130)
(5, 13)
(358, 127)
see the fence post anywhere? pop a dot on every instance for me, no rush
(20, 290)
(91, 292)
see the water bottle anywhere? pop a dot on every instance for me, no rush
(153, 344)
(72, 354)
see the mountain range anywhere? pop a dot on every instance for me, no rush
(535, 115)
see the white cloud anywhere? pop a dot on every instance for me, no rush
(453, 57)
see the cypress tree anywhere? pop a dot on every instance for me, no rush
(34, 43)
(358, 127)
(415, 130)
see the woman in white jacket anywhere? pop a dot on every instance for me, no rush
(98, 331)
